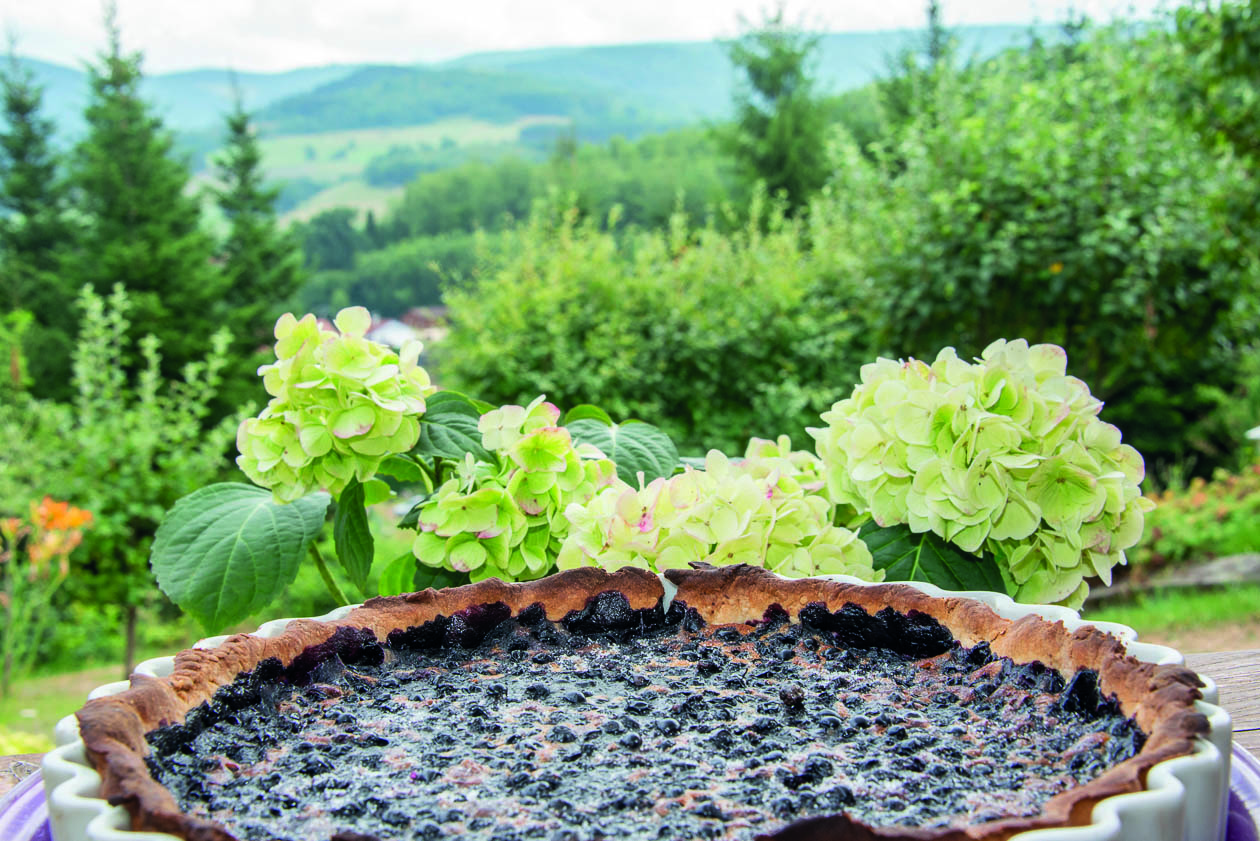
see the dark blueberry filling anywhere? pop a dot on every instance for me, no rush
(617, 723)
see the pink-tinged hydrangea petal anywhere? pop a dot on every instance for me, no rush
(351, 422)
(1047, 361)
(467, 556)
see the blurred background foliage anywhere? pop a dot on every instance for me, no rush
(1096, 187)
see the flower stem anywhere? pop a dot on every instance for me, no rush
(326, 574)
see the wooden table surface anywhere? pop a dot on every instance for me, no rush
(1237, 675)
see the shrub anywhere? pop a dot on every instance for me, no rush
(716, 338)
(1067, 204)
(1204, 519)
(124, 451)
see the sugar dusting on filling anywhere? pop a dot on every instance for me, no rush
(617, 723)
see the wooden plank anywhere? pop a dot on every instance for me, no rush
(14, 769)
(1237, 676)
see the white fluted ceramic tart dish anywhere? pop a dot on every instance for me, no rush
(737, 704)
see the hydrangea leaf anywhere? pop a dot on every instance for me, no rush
(376, 491)
(635, 447)
(402, 468)
(397, 575)
(227, 550)
(352, 536)
(449, 428)
(906, 556)
(587, 412)
(437, 578)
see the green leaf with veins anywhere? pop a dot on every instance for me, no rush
(633, 446)
(449, 428)
(401, 468)
(226, 551)
(353, 536)
(396, 577)
(587, 412)
(906, 556)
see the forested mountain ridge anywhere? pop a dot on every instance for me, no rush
(353, 135)
(188, 100)
(382, 96)
(693, 80)
(671, 80)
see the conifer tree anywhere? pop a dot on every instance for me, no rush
(34, 233)
(142, 228)
(780, 132)
(260, 262)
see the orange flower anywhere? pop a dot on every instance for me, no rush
(53, 515)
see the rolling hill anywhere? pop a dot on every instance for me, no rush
(188, 101)
(695, 81)
(323, 127)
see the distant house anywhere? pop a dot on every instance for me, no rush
(429, 323)
(392, 332)
(423, 318)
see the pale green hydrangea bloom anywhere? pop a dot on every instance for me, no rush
(767, 510)
(339, 404)
(506, 520)
(1006, 455)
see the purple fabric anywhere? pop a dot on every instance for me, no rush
(1244, 797)
(24, 814)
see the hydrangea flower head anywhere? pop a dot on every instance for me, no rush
(768, 509)
(1005, 455)
(339, 404)
(506, 519)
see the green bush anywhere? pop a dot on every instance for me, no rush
(714, 337)
(391, 280)
(123, 450)
(1203, 520)
(1067, 203)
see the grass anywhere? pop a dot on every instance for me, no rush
(353, 193)
(33, 708)
(334, 155)
(337, 158)
(1183, 610)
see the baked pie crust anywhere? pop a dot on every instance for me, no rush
(1160, 698)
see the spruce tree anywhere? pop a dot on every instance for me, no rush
(260, 262)
(142, 228)
(34, 233)
(780, 132)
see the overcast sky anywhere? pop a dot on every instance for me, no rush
(269, 35)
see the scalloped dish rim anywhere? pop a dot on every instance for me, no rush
(1184, 797)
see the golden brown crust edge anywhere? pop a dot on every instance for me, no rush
(1161, 697)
